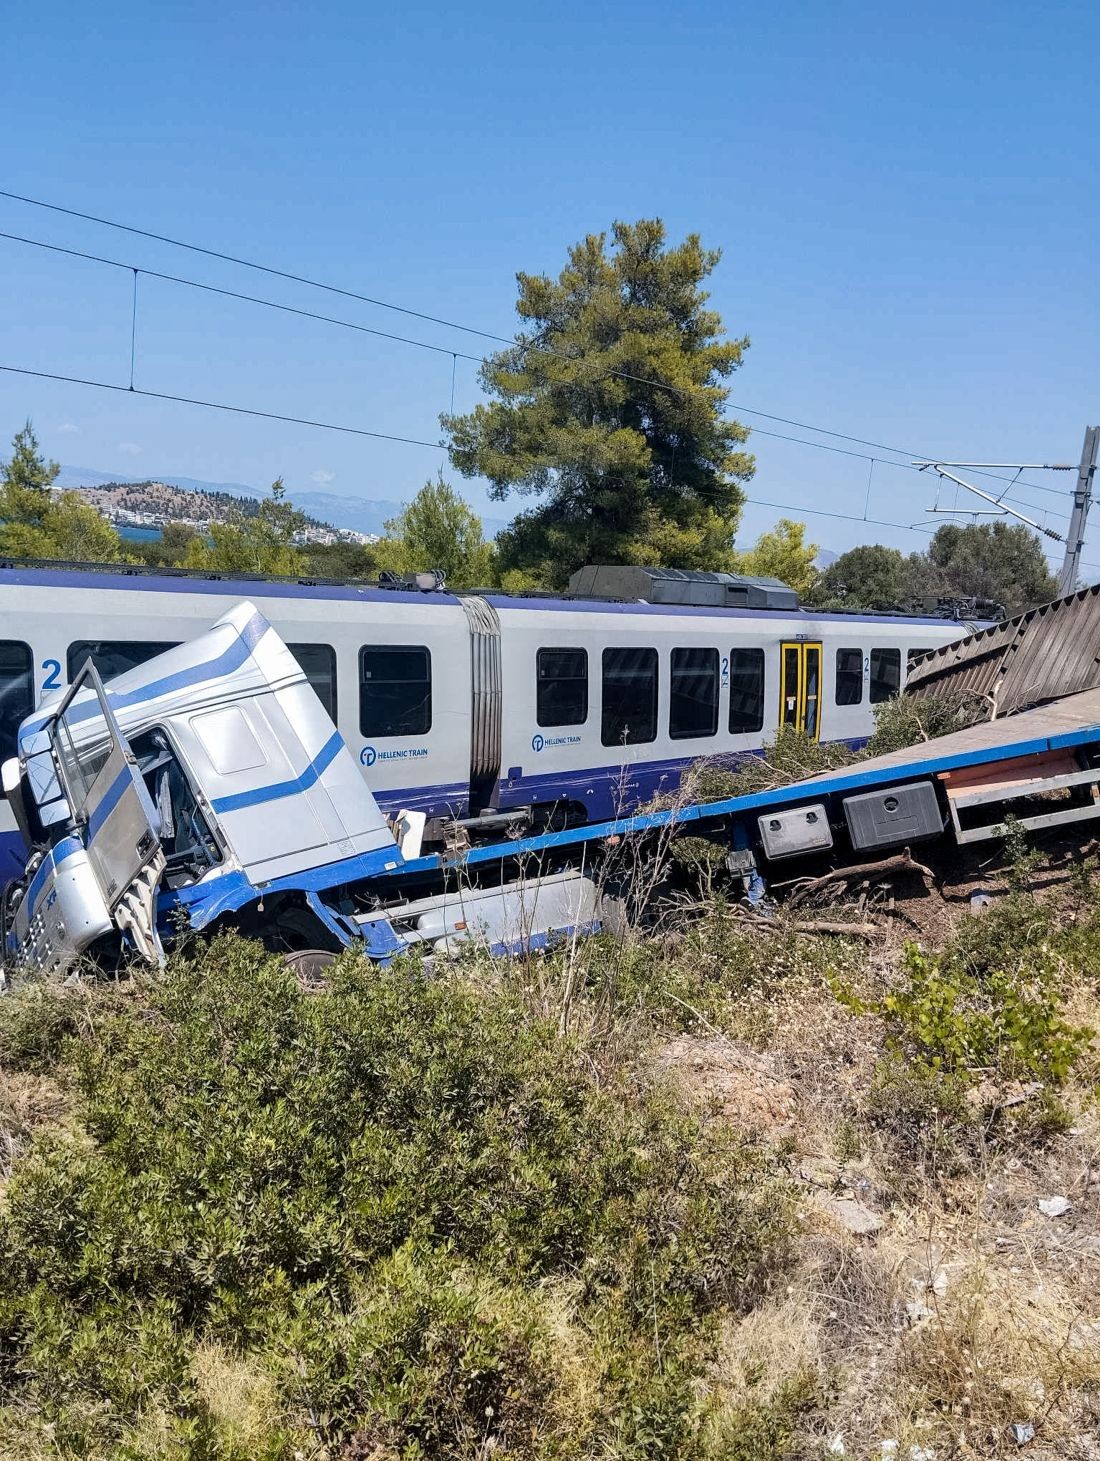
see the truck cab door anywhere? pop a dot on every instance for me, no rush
(108, 801)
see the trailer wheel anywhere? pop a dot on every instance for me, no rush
(310, 965)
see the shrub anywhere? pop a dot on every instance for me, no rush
(907, 720)
(713, 964)
(947, 1019)
(38, 1020)
(426, 1218)
(925, 1117)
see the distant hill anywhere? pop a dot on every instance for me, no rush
(147, 507)
(166, 501)
(357, 514)
(89, 477)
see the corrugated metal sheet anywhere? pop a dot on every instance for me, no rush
(1048, 652)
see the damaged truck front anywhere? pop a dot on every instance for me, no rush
(208, 786)
(196, 786)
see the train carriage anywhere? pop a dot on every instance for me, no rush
(486, 706)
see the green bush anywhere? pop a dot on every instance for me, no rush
(925, 1118)
(430, 1222)
(908, 720)
(946, 1018)
(38, 1020)
(766, 1432)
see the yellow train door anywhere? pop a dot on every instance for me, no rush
(800, 687)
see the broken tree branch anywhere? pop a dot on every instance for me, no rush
(902, 862)
(813, 925)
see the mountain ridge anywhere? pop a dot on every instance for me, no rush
(359, 514)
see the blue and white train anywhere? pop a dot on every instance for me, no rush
(546, 710)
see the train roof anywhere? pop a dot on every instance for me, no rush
(28, 573)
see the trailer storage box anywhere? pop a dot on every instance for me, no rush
(802, 829)
(894, 816)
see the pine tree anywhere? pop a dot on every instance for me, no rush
(28, 470)
(609, 409)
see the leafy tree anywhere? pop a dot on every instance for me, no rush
(77, 533)
(783, 553)
(1000, 561)
(341, 560)
(36, 522)
(262, 543)
(870, 576)
(170, 549)
(438, 530)
(609, 408)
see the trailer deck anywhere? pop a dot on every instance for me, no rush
(1069, 726)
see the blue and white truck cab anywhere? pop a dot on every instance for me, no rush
(210, 784)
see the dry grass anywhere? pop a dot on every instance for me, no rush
(26, 1102)
(969, 1312)
(238, 1393)
(1005, 1344)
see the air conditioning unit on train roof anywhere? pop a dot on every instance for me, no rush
(680, 586)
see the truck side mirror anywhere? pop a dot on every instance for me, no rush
(12, 782)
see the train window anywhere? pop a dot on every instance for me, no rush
(16, 692)
(849, 676)
(885, 674)
(629, 697)
(113, 657)
(319, 663)
(561, 687)
(693, 704)
(746, 691)
(395, 690)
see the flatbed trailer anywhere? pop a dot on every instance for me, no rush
(1069, 728)
(208, 788)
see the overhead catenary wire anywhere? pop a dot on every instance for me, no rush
(237, 294)
(133, 331)
(455, 355)
(346, 429)
(252, 264)
(386, 436)
(104, 385)
(428, 318)
(381, 435)
(1015, 481)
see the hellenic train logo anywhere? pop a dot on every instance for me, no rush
(369, 755)
(546, 743)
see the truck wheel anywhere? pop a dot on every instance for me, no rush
(310, 965)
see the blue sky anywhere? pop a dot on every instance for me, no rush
(906, 199)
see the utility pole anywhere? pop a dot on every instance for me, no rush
(1082, 500)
